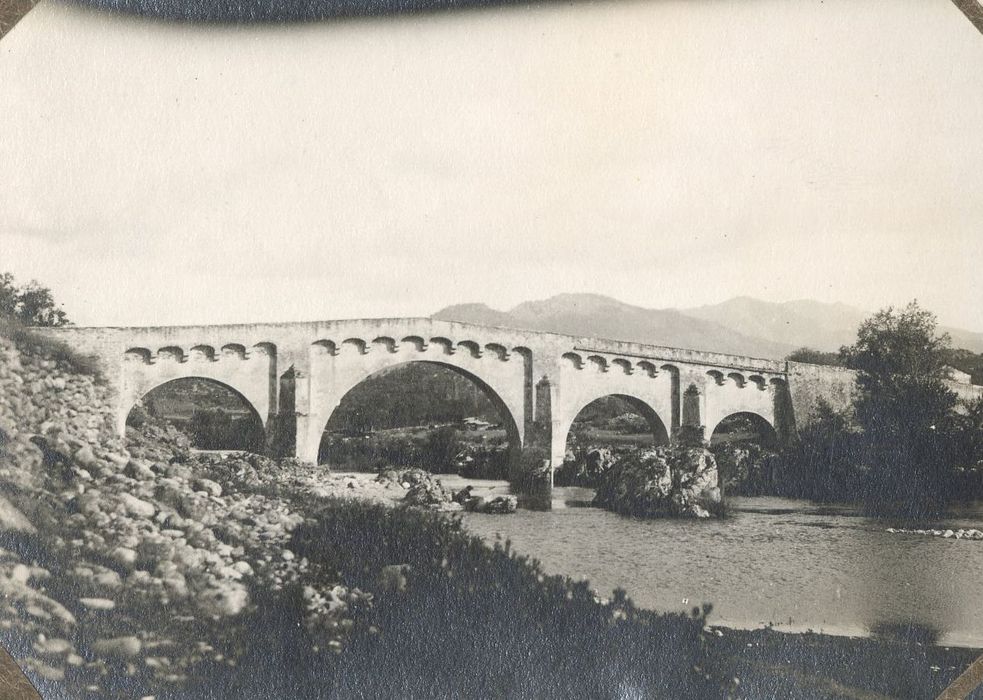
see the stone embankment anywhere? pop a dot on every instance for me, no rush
(130, 561)
(671, 481)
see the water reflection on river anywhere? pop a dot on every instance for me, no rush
(791, 563)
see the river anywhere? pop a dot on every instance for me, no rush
(792, 564)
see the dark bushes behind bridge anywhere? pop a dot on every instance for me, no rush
(831, 460)
(440, 451)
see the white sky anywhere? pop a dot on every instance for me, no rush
(665, 153)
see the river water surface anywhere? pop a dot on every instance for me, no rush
(789, 563)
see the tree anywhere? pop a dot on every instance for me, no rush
(905, 410)
(815, 357)
(822, 462)
(8, 295)
(31, 304)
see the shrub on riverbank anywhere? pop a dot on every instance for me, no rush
(746, 469)
(466, 620)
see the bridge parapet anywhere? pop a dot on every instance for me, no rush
(325, 359)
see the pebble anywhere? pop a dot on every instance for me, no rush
(53, 646)
(123, 647)
(48, 672)
(960, 534)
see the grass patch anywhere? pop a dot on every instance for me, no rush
(29, 342)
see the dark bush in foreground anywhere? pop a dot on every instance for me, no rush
(467, 620)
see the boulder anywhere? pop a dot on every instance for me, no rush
(208, 486)
(124, 555)
(224, 598)
(668, 481)
(138, 469)
(498, 505)
(427, 493)
(85, 456)
(464, 495)
(137, 507)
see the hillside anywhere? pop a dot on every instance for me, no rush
(798, 323)
(604, 317)
(741, 326)
(805, 323)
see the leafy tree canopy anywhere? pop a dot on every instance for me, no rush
(903, 405)
(31, 304)
(815, 357)
(899, 346)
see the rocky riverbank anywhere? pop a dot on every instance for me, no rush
(138, 563)
(101, 535)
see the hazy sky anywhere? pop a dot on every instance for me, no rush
(665, 153)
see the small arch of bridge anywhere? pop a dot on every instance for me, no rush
(656, 422)
(255, 442)
(767, 432)
(245, 371)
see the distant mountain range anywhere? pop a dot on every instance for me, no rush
(740, 326)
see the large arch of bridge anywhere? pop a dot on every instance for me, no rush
(510, 418)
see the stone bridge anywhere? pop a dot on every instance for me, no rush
(294, 375)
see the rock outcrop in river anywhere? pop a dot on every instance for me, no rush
(672, 481)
